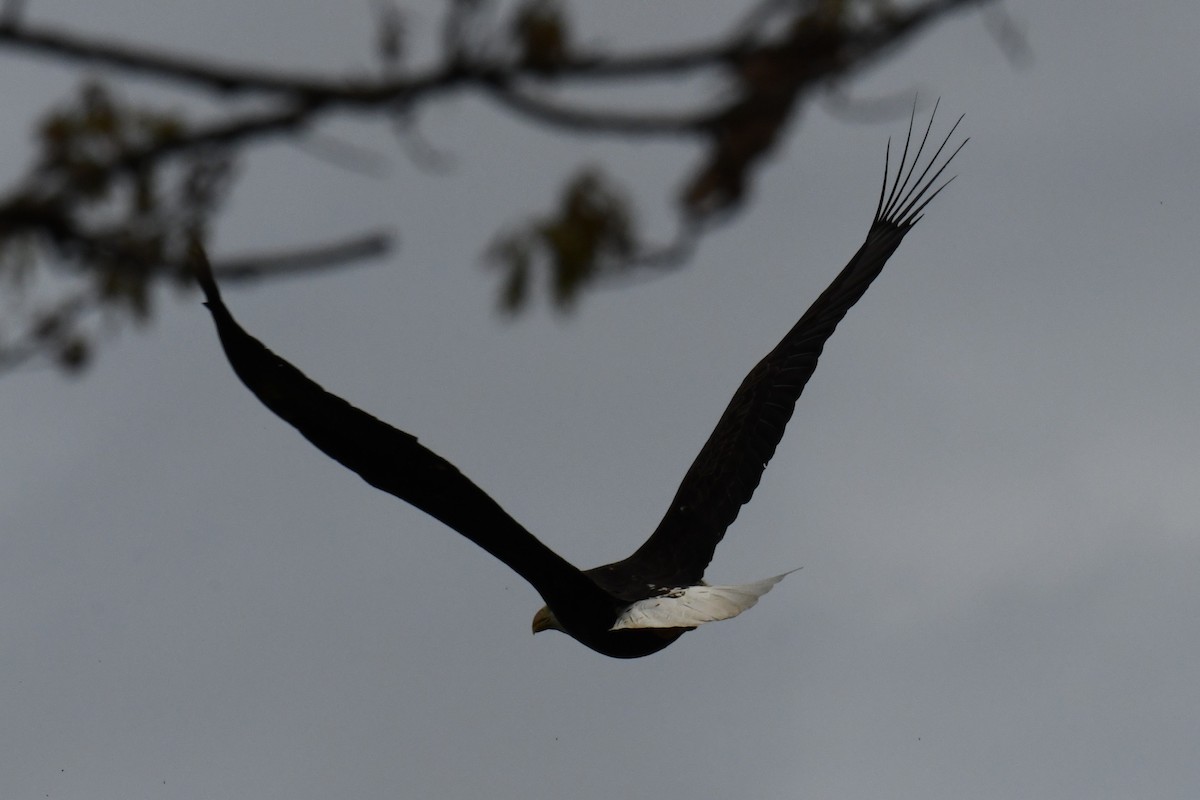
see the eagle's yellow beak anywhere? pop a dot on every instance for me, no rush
(544, 620)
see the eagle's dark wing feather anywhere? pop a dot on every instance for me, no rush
(731, 463)
(390, 459)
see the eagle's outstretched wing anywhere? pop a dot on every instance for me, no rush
(389, 459)
(728, 469)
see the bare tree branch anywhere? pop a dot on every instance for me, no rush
(159, 64)
(548, 112)
(67, 334)
(664, 62)
(310, 258)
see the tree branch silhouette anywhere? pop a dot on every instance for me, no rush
(117, 189)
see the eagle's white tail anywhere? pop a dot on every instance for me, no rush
(690, 606)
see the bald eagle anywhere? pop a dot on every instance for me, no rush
(639, 605)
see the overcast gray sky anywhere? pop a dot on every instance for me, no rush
(991, 482)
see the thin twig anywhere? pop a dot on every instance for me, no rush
(253, 267)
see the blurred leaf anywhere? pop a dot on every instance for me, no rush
(590, 235)
(540, 29)
(111, 228)
(390, 33)
(74, 355)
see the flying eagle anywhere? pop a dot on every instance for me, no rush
(640, 605)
